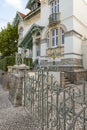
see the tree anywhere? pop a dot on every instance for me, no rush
(8, 40)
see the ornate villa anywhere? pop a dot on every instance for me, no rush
(55, 32)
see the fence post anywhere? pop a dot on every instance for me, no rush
(62, 79)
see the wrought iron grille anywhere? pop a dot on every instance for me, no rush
(53, 107)
(54, 18)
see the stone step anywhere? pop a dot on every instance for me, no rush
(67, 83)
(67, 80)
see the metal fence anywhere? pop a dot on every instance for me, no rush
(53, 107)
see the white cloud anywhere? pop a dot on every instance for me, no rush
(15, 3)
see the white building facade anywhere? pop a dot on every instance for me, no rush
(54, 30)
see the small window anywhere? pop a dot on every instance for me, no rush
(38, 34)
(34, 6)
(21, 32)
(48, 40)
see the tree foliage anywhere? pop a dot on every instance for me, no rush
(8, 40)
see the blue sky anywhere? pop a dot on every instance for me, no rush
(8, 9)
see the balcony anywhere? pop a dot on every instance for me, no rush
(54, 18)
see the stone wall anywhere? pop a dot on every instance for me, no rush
(77, 76)
(67, 61)
(63, 68)
(3, 79)
(15, 92)
(16, 84)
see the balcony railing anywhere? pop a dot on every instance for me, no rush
(54, 18)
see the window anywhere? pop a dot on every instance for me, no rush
(55, 6)
(21, 32)
(55, 37)
(34, 6)
(38, 34)
(62, 36)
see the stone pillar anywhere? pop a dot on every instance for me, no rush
(16, 93)
(9, 77)
(62, 79)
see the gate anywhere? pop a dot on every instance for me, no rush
(53, 107)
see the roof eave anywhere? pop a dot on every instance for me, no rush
(32, 13)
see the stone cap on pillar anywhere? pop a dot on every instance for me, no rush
(20, 69)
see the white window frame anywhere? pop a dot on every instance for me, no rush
(62, 36)
(55, 6)
(55, 37)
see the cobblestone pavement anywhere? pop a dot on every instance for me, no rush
(14, 118)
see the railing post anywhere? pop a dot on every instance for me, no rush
(42, 100)
(84, 105)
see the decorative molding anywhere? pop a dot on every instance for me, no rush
(50, 1)
(73, 54)
(73, 33)
(43, 1)
(77, 19)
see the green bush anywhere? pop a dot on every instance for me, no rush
(7, 61)
(28, 62)
(10, 61)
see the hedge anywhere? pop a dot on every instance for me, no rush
(7, 61)
(28, 62)
(10, 61)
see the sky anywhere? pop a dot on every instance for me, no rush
(8, 9)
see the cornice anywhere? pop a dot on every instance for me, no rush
(32, 13)
(76, 18)
(73, 33)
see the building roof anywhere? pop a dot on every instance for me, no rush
(21, 14)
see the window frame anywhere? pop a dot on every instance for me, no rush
(57, 38)
(55, 6)
(62, 40)
(54, 37)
